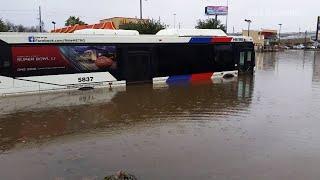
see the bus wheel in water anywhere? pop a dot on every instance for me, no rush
(228, 76)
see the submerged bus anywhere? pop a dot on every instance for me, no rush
(43, 62)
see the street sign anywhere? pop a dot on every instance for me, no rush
(216, 10)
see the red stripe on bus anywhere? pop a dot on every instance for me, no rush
(201, 77)
(221, 39)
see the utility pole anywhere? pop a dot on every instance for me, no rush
(140, 9)
(174, 20)
(318, 29)
(305, 39)
(299, 31)
(40, 20)
(280, 33)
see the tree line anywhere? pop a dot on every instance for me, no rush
(152, 26)
(143, 27)
(10, 27)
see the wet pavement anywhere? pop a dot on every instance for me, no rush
(262, 127)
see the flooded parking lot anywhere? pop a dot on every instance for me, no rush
(264, 126)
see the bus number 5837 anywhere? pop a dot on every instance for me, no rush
(85, 79)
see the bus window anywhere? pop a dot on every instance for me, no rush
(242, 54)
(249, 56)
(1, 60)
(223, 57)
(184, 59)
(172, 60)
(201, 59)
(246, 61)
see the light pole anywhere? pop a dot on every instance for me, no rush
(174, 20)
(227, 16)
(305, 39)
(249, 23)
(280, 26)
(54, 25)
(140, 9)
(318, 29)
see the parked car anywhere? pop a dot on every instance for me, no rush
(285, 47)
(311, 47)
(300, 46)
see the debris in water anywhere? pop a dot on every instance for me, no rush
(121, 175)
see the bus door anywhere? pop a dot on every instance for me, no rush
(246, 60)
(5, 66)
(5, 59)
(138, 67)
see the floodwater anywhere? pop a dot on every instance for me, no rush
(265, 127)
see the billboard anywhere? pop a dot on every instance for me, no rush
(51, 60)
(216, 10)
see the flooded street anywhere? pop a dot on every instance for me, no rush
(265, 126)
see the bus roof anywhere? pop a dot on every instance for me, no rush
(192, 32)
(118, 36)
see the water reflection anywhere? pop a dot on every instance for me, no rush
(316, 67)
(266, 61)
(43, 117)
(259, 127)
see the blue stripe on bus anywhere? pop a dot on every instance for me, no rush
(178, 79)
(200, 40)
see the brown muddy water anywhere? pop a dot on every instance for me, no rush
(265, 127)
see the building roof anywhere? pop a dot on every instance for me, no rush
(71, 29)
(108, 32)
(269, 31)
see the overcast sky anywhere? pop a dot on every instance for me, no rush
(264, 14)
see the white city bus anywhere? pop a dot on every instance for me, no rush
(43, 62)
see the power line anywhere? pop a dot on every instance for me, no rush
(16, 13)
(17, 10)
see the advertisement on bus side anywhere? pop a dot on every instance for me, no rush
(47, 60)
